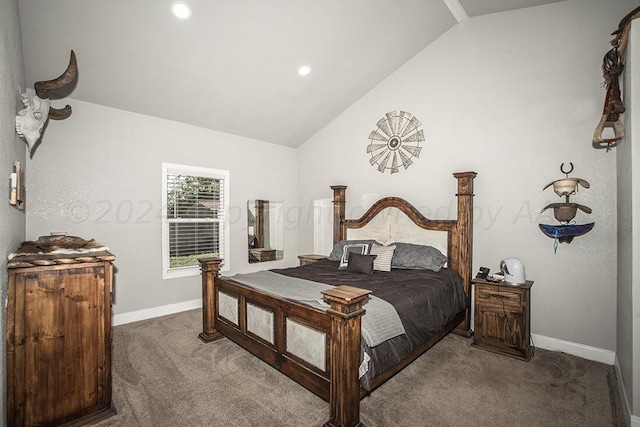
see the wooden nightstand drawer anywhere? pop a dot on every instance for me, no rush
(499, 297)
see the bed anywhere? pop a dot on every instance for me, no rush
(334, 335)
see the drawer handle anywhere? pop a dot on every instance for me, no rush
(497, 296)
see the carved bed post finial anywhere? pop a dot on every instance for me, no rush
(346, 317)
(210, 269)
(465, 233)
(338, 212)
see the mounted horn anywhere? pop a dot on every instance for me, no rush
(32, 119)
(44, 87)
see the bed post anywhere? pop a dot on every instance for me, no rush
(346, 312)
(465, 239)
(338, 212)
(210, 269)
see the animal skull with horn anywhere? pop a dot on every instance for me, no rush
(31, 120)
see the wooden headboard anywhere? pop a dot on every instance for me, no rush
(393, 219)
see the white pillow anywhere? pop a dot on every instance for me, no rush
(383, 258)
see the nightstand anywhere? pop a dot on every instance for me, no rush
(503, 317)
(263, 254)
(310, 259)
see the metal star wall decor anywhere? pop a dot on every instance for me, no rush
(395, 142)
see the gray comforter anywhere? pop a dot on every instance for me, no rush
(380, 324)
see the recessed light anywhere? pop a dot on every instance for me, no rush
(181, 10)
(304, 70)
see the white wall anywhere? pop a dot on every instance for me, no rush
(98, 175)
(628, 208)
(510, 96)
(12, 223)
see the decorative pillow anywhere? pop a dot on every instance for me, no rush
(384, 254)
(338, 249)
(359, 248)
(360, 263)
(409, 255)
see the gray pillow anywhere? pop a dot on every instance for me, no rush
(336, 253)
(409, 255)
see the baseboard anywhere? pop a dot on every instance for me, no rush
(585, 351)
(540, 341)
(632, 420)
(150, 313)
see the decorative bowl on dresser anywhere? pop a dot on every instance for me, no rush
(59, 333)
(502, 318)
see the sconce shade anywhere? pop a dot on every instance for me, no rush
(567, 186)
(565, 212)
(566, 233)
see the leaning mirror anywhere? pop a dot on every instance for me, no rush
(265, 230)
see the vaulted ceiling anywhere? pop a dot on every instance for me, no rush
(233, 66)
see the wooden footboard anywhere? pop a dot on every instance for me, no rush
(228, 310)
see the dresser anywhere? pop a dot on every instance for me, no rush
(502, 318)
(59, 338)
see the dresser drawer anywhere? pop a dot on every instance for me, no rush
(499, 297)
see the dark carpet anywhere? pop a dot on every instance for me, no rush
(163, 375)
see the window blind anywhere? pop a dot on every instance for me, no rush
(195, 218)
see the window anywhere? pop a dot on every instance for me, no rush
(194, 220)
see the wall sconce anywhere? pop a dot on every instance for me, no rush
(16, 191)
(566, 212)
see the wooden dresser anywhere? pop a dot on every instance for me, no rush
(59, 339)
(502, 318)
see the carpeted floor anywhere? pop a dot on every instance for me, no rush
(163, 375)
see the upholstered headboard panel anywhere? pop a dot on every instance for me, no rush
(392, 225)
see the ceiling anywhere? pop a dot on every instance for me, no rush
(233, 65)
